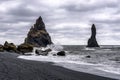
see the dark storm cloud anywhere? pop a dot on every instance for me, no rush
(22, 11)
(86, 8)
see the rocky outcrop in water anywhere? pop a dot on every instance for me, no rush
(38, 36)
(42, 52)
(92, 42)
(61, 53)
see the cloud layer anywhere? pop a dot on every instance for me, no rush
(67, 21)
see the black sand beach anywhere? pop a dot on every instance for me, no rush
(12, 68)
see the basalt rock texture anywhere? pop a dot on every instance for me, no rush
(1, 48)
(92, 42)
(61, 53)
(38, 36)
(25, 48)
(10, 47)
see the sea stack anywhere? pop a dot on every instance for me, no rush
(92, 42)
(38, 35)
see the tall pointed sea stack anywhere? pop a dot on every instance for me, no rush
(92, 41)
(38, 36)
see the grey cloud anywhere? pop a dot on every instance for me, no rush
(1, 1)
(86, 7)
(110, 21)
(22, 11)
(52, 16)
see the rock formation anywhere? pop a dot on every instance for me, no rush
(1, 48)
(38, 36)
(92, 41)
(25, 48)
(61, 53)
(10, 47)
(42, 52)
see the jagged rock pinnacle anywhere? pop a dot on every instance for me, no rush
(38, 36)
(92, 42)
(39, 25)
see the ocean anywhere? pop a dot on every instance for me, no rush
(103, 61)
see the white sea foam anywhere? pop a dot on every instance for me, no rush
(109, 69)
(89, 48)
(71, 62)
(103, 66)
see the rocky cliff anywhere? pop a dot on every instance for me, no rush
(92, 42)
(38, 36)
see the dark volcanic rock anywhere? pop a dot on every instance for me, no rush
(25, 48)
(88, 56)
(38, 36)
(1, 48)
(42, 52)
(61, 53)
(10, 47)
(92, 41)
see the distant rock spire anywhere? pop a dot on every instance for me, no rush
(92, 42)
(38, 36)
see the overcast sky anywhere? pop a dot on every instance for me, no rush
(67, 21)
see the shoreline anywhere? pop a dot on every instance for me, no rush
(95, 69)
(20, 69)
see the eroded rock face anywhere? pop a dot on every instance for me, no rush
(42, 52)
(38, 36)
(92, 42)
(1, 48)
(10, 47)
(25, 48)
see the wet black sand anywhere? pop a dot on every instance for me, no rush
(12, 68)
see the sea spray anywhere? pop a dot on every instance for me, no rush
(102, 62)
(54, 47)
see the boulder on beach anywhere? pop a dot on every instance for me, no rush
(92, 42)
(10, 47)
(38, 35)
(42, 52)
(25, 48)
(1, 48)
(61, 53)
